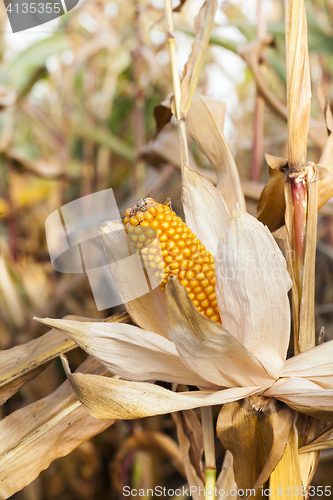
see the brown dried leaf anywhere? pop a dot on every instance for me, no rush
(190, 439)
(30, 436)
(179, 7)
(163, 113)
(272, 206)
(205, 121)
(254, 427)
(203, 24)
(322, 442)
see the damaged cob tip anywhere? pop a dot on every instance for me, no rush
(182, 253)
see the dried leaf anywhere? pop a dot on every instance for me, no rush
(304, 396)
(314, 364)
(255, 427)
(163, 113)
(189, 433)
(205, 210)
(272, 206)
(112, 398)
(179, 7)
(30, 436)
(206, 347)
(205, 121)
(203, 24)
(322, 442)
(129, 351)
(24, 362)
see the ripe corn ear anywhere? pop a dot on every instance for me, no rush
(182, 253)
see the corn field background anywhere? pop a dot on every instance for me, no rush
(76, 117)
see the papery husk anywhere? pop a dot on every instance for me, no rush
(128, 351)
(252, 279)
(148, 308)
(205, 125)
(304, 396)
(30, 436)
(207, 348)
(256, 432)
(203, 24)
(205, 210)
(189, 433)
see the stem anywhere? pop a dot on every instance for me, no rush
(210, 483)
(209, 447)
(173, 57)
(139, 112)
(257, 155)
(176, 83)
(298, 188)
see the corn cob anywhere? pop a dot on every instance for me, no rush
(183, 255)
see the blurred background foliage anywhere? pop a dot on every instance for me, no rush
(77, 116)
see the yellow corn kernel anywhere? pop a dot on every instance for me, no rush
(182, 252)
